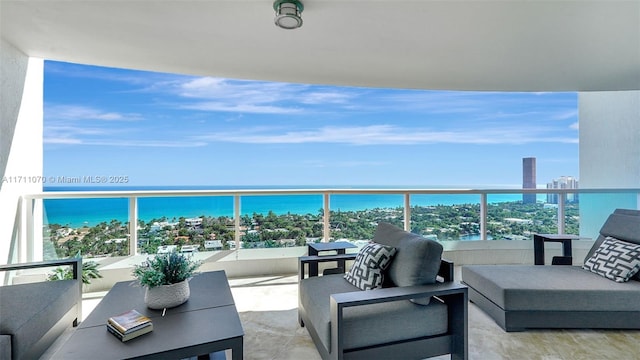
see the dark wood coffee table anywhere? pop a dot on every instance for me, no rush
(207, 323)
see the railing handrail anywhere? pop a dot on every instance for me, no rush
(267, 192)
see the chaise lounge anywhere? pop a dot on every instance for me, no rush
(603, 294)
(412, 317)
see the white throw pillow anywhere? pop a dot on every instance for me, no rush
(368, 268)
(615, 259)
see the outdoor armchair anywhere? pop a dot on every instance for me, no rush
(33, 315)
(414, 321)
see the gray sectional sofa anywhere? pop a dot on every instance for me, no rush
(520, 297)
(34, 315)
(346, 322)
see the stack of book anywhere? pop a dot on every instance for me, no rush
(129, 325)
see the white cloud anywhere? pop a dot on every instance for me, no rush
(61, 140)
(148, 143)
(214, 94)
(239, 108)
(568, 114)
(123, 143)
(321, 163)
(78, 112)
(387, 135)
(326, 97)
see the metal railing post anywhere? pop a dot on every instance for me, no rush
(25, 245)
(561, 216)
(483, 216)
(326, 232)
(133, 225)
(407, 212)
(236, 217)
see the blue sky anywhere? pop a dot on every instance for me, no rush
(169, 130)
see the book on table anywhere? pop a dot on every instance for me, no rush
(131, 335)
(129, 325)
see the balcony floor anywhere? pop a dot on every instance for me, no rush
(268, 310)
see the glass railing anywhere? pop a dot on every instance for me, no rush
(97, 224)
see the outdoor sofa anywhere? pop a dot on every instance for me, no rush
(33, 315)
(419, 313)
(520, 297)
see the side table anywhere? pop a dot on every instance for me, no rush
(538, 248)
(314, 249)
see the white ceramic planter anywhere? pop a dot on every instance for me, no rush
(167, 296)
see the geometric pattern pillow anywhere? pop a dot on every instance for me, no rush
(615, 259)
(369, 265)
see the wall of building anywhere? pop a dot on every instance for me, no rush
(21, 114)
(609, 153)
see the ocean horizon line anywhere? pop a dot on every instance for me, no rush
(76, 187)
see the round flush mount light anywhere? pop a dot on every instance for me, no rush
(288, 13)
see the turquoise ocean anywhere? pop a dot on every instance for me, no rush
(90, 212)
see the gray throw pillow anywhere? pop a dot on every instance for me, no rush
(615, 259)
(417, 260)
(367, 272)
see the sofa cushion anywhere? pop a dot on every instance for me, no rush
(400, 319)
(417, 259)
(369, 265)
(550, 288)
(615, 260)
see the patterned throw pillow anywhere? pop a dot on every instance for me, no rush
(370, 263)
(615, 259)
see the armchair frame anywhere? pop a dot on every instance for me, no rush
(75, 263)
(454, 342)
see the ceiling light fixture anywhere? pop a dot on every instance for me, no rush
(288, 13)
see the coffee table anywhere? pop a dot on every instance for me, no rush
(208, 322)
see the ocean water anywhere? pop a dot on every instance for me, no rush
(90, 212)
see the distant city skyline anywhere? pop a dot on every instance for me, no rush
(563, 182)
(529, 179)
(160, 129)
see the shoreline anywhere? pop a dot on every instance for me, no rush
(91, 212)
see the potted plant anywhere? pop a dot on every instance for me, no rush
(166, 279)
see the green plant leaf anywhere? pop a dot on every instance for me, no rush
(165, 269)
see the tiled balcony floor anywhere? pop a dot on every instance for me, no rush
(268, 310)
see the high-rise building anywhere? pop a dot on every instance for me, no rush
(529, 179)
(564, 182)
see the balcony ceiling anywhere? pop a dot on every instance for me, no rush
(508, 45)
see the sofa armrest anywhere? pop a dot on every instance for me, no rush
(304, 260)
(75, 263)
(446, 270)
(455, 295)
(357, 298)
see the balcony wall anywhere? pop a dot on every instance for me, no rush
(257, 262)
(20, 138)
(609, 151)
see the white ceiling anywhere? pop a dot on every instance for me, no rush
(510, 45)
